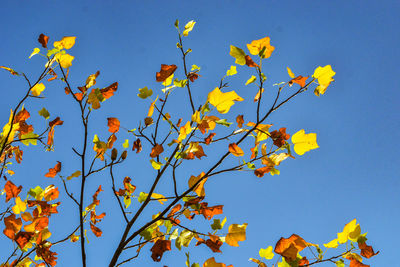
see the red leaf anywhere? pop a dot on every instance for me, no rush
(165, 72)
(43, 40)
(53, 171)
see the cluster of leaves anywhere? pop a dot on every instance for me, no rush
(168, 142)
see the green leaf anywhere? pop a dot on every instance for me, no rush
(218, 225)
(176, 24)
(168, 225)
(29, 138)
(195, 67)
(339, 263)
(187, 260)
(223, 122)
(52, 51)
(205, 108)
(180, 83)
(44, 113)
(264, 78)
(75, 174)
(144, 92)
(238, 54)
(147, 233)
(126, 143)
(36, 193)
(232, 71)
(127, 201)
(195, 265)
(251, 80)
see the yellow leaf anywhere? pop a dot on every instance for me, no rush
(236, 233)
(35, 51)
(37, 89)
(278, 158)
(232, 71)
(324, 76)
(159, 197)
(332, 244)
(261, 131)
(251, 80)
(156, 165)
(184, 131)
(196, 117)
(151, 109)
(304, 142)
(235, 150)
(350, 231)
(199, 189)
(20, 206)
(168, 81)
(238, 54)
(291, 74)
(223, 101)
(212, 263)
(91, 80)
(65, 60)
(266, 253)
(66, 42)
(257, 45)
(189, 27)
(74, 237)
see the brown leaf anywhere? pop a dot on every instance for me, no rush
(43, 251)
(214, 243)
(192, 76)
(261, 171)
(280, 137)
(52, 124)
(22, 115)
(108, 91)
(43, 40)
(113, 125)
(137, 145)
(366, 251)
(53, 171)
(356, 263)
(159, 248)
(11, 190)
(250, 62)
(235, 150)
(289, 247)
(165, 72)
(239, 121)
(156, 150)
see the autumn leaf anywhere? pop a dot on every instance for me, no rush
(235, 150)
(38, 224)
(10, 70)
(37, 89)
(199, 189)
(96, 231)
(43, 40)
(66, 42)
(324, 76)
(159, 248)
(223, 101)
(289, 247)
(52, 124)
(266, 252)
(189, 27)
(44, 113)
(366, 251)
(351, 231)
(212, 263)
(65, 60)
(165, 72)
(13, 226)
(20, 206)
(151, 108)
(261, 45)
(300, 80)
(290, 72)
(35, 52)
(144, 92)
(232, 71)
(11, 190)
(113, 125)
(209, 212)
(209, 138)
(22, 238)
(53, 171)
(280, 137)
(137, 145)
(238, 54)
(236, 233)
(304, 142)
(250, 62)
(156, 150)
(108, 91)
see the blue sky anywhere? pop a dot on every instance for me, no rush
(354, 173)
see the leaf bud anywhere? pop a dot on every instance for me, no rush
(114, 154)
(124, 155)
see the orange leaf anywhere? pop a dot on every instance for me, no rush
(96, 231)
(21, 116)
(11, 190)
(356, 263)
(52, 124)
(209, 212)
(159, 248)
(250, 62)
(289, 247)
(239, 121)
(209, 138)
(22, 238)
(53, 171)
(137, 145)
(261, 171)
(280, 137)
(235, 150)
(113, 125)
(258, 95)
(108, 91)
(304, 262)
(43, 40)
(38, 224)
(165, 72)
(156, 150)
(300, 80)
(366, 251)
(79, 96)
(13, 226)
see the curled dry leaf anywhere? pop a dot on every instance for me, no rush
(159, 248)
(43, 40)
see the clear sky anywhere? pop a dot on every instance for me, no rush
(354, 173)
